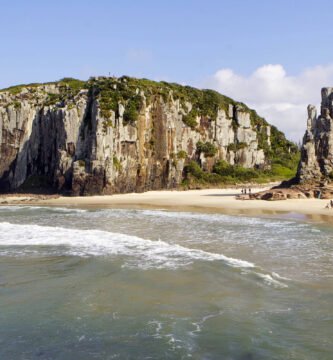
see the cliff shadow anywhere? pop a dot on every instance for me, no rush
(31, 167)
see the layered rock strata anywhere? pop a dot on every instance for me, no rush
(112, 135)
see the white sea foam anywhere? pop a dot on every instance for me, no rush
(246, 220)
(213, 217)
(102, 243)
(66, 210)
(48, 208)
(277, 276)
(268, 279)
(160, 216)
(199, 324)
(158, 328)
(19, 239)
(16, 208)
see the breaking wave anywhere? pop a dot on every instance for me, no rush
(102, 243)
(20, 240)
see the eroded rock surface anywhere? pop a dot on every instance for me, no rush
(112, 135)
(317, 149)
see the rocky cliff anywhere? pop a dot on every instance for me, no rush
(110, 135)
(317, 149)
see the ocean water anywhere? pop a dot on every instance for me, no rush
(144, 284)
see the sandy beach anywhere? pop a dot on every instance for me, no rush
(208, 200)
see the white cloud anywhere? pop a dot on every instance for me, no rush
(281, 98)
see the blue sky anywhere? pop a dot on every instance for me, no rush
(183, 41)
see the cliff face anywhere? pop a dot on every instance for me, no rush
(317, 150)
(112, 135)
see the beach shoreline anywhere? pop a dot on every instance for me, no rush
(205, 201)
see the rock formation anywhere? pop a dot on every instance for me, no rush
(110, 135)
(315, 170)
(316, 162)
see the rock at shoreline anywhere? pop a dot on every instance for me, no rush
(274, 194)
(314, 177)
(316, 162)
(301, 191)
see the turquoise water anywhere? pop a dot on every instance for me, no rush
(143, 284)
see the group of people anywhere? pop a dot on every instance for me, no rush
(329, 205)
(246, 191)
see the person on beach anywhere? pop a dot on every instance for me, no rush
(329, 205)
(245, 191)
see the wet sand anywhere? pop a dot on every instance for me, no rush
(208, 200)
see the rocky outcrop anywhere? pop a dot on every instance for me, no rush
(276, 194)
(301, 191)
(315, 170)
(112, 135)
(316, 162)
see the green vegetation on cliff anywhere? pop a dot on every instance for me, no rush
(191, 119)
(68, 89)
(127, 91)
(224, 173)
(197, 108)
(207, 148)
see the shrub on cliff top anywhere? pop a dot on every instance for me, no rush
(75, 84)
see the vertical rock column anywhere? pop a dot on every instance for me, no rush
(317, 149)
